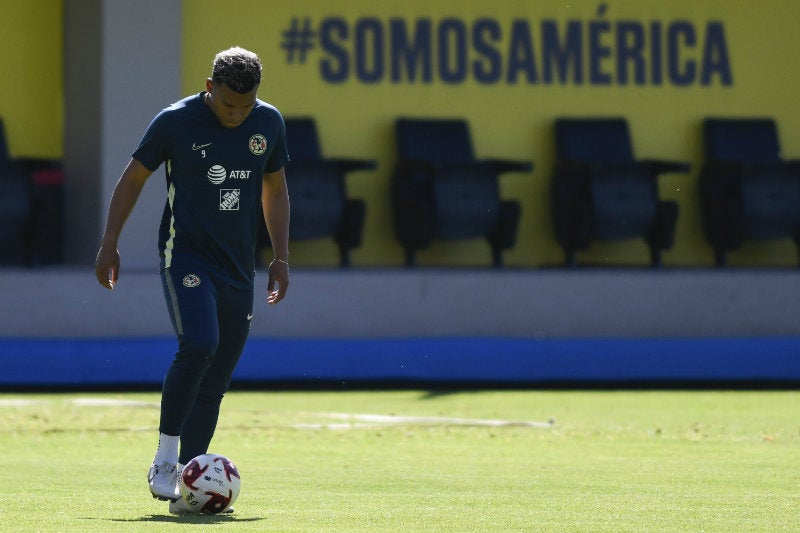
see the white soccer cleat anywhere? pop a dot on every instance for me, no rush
(180, 506)
(163, 481)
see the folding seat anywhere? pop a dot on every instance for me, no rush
(600, 192)
(441, 191)
(747, 192)
(317, 188)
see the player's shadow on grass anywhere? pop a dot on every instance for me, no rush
(189, 519)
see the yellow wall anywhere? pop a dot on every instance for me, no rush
(514, 119)
(32, 91)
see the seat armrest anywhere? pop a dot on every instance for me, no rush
(501, 166)
(594, 167)
(793, 164)
(339, 165)
(415, 165)
(424, 165)
(649, 166)
(660, 166)
(729, 167)
(723, 167)
(490, 167)
(351, 165)
(565, 166)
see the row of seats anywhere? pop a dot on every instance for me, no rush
(599, 190)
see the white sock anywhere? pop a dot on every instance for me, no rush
(167, 451)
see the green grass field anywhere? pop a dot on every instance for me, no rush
(313, 461)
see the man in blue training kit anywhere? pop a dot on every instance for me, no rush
(224, 152)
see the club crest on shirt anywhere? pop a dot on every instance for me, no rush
(258, 144)
(191, 280)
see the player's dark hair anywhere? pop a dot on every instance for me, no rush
(237, 68)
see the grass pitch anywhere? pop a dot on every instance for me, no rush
(417, 461)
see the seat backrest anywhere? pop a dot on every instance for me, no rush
(603, 140)
(770, 204)
(302, 139)
(318, 195)
(623, 205)
(741, 140)
(465, 203)
(315, 186)
(438, 140)
(622, 199)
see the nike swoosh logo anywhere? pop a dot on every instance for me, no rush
(250, 316)
(196, 146)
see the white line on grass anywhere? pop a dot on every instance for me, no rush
(397, 420)
(350, 420)
(18, 403)
(80, 402)
(110, 402)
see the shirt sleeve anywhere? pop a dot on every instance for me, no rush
(280, 153)
(154, 147)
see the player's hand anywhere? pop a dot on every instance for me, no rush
(278, 281)
(106, 267)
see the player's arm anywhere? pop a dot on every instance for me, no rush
(275, 204)
(123, 200)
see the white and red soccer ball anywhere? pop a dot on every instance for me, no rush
(209, 483)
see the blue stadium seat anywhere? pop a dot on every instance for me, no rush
(317, 188)
(599, 191)
(440, 191)
(747, 192)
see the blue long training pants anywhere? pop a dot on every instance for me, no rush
(212, 322)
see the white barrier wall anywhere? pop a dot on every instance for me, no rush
(637, 303)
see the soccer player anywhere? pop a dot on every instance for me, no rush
(224, 152)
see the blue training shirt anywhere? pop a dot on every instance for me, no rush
(214, 178)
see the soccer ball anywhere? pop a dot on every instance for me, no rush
(209, 483)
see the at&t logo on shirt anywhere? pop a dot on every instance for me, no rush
(217, 174)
